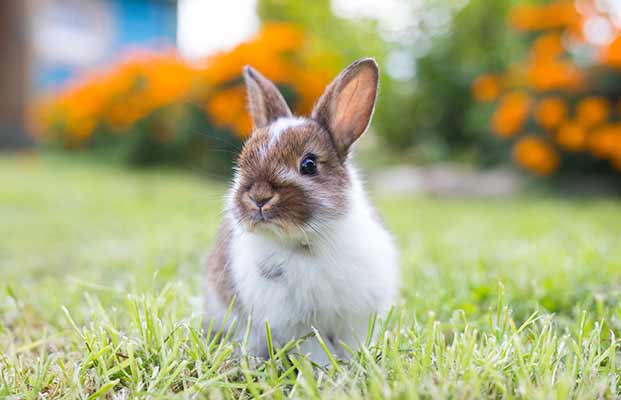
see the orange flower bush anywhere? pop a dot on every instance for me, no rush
(118, 96)
(557, 100)
(158, 99)
(228, 108)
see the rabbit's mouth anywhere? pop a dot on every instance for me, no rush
(261, 216)
(268, 227)
(285, 233)
(266, 222)
(260, 219)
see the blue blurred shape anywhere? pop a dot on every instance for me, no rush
(145, 23)
(71, 37)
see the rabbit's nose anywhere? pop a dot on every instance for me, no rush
(260, 201)
(261, 193)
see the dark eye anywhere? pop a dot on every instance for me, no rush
(308, 166)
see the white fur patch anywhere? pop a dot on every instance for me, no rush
(281, 125)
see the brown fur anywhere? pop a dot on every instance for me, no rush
(292, 204)
(218, 273)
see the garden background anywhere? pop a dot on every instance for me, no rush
(494, 154)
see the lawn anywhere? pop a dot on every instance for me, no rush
(100, 295)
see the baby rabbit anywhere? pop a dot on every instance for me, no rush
(300, 245)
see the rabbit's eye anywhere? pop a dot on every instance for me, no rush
(308, 166)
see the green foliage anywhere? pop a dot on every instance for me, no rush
(101, 291)
(179, 135)
(338, 41)
(441, 113)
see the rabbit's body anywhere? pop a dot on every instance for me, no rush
(316, 256)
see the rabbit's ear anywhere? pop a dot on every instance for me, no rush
(346, 107)
(266, 102)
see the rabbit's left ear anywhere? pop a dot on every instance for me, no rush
(266, 102)
(346, 107)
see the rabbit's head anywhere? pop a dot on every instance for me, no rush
(292, 176)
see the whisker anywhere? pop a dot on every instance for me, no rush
(236, 145)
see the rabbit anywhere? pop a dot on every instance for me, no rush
(300, 245)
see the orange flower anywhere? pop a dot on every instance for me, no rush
(593, 110)
(546, 75)
(548, 47)
(486, 88)
(571, 136)
(511, 114)
(605, 142)
(310, 84)
(281, 37)
(611, 54)
(265, 52)
(228, 108)
(535, 155)
(529, 17)
(551, 112)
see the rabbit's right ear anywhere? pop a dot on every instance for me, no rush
(346, 107)
(266, 102)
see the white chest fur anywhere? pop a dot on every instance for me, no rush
(334, 286)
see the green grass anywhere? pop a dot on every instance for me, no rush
(100, 296)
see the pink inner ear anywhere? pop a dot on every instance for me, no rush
(353, 107)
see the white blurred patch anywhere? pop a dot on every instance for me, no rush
(598, 31)
(401, 65)
(208, 26)
(612, 8)
(393, 16)
(72, 32)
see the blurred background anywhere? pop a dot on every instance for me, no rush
(475, 94)
(120, 121)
